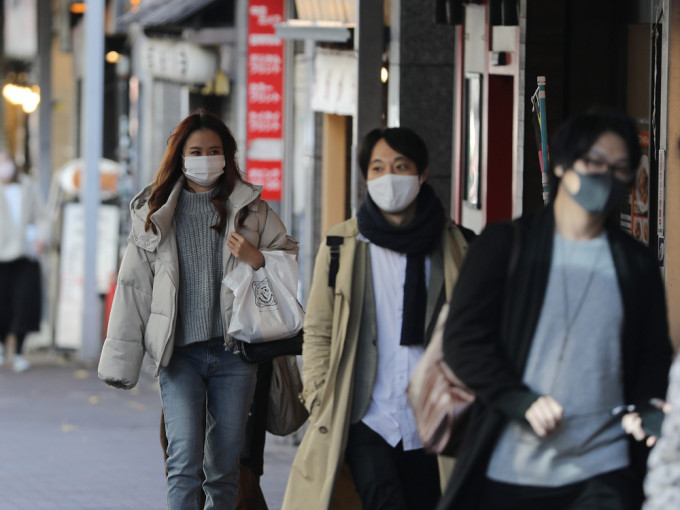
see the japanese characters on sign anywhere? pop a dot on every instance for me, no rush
(264, 123)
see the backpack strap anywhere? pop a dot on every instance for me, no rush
(334, 243)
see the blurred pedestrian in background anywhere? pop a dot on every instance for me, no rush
(22, 237)
(380, 280)
(190, 228)
(561, 343)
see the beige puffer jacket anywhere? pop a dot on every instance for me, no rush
(144, 310)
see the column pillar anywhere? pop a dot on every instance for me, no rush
(422, 93)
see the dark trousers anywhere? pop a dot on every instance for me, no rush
(20, 299)
(608, 491)
(387, 477)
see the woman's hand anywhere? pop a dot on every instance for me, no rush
(544, 415)
(241, 248)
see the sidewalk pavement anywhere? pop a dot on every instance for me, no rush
(69, 442)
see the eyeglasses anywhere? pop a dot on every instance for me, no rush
(622, 172)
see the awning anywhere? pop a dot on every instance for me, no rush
(154, 13)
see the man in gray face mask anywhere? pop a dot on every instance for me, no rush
(564, 344)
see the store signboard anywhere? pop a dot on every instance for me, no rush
(178, 61)
(264, 122)
(335, 82)
(20, 29)
(68, 334)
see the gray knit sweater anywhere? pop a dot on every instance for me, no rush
(199, 250)
(582, 371)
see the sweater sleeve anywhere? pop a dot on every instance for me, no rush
(472, 345)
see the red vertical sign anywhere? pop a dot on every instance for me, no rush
(264, 124)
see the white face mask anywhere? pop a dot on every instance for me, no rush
(6, 170)
(204, 170)
(393, 193)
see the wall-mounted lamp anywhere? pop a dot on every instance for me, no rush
(27, 97)
(113, 57)
(77, 8)
(384, 74)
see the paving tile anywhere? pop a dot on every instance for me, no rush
(69, 442)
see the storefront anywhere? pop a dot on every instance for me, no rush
(594, 52)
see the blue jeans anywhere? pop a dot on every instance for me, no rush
(203, 379)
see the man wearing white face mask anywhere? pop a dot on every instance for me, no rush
(380, 280)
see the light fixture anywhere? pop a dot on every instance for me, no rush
(27, 97)
(384, 74)
(77, 8)
(113, 57)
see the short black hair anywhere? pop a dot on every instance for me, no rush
(577, 134)
(402, 139)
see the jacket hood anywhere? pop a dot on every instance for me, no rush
(243, 194)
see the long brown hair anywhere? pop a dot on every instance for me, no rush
(171, 166)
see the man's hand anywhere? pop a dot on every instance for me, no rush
(544, 415)
(632, 424)
(241, 248)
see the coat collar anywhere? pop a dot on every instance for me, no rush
(243, 194)
(162, 218)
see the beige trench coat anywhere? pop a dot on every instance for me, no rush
(331, 335)
(144, 310)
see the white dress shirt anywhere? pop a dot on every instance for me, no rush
(389, 413)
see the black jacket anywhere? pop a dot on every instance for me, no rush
(492, 322)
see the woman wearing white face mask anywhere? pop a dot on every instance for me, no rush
(397, 262)
(190, 227)
(22, 235)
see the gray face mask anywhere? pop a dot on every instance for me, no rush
(598, 193)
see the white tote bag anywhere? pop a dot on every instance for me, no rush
(265, 303)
